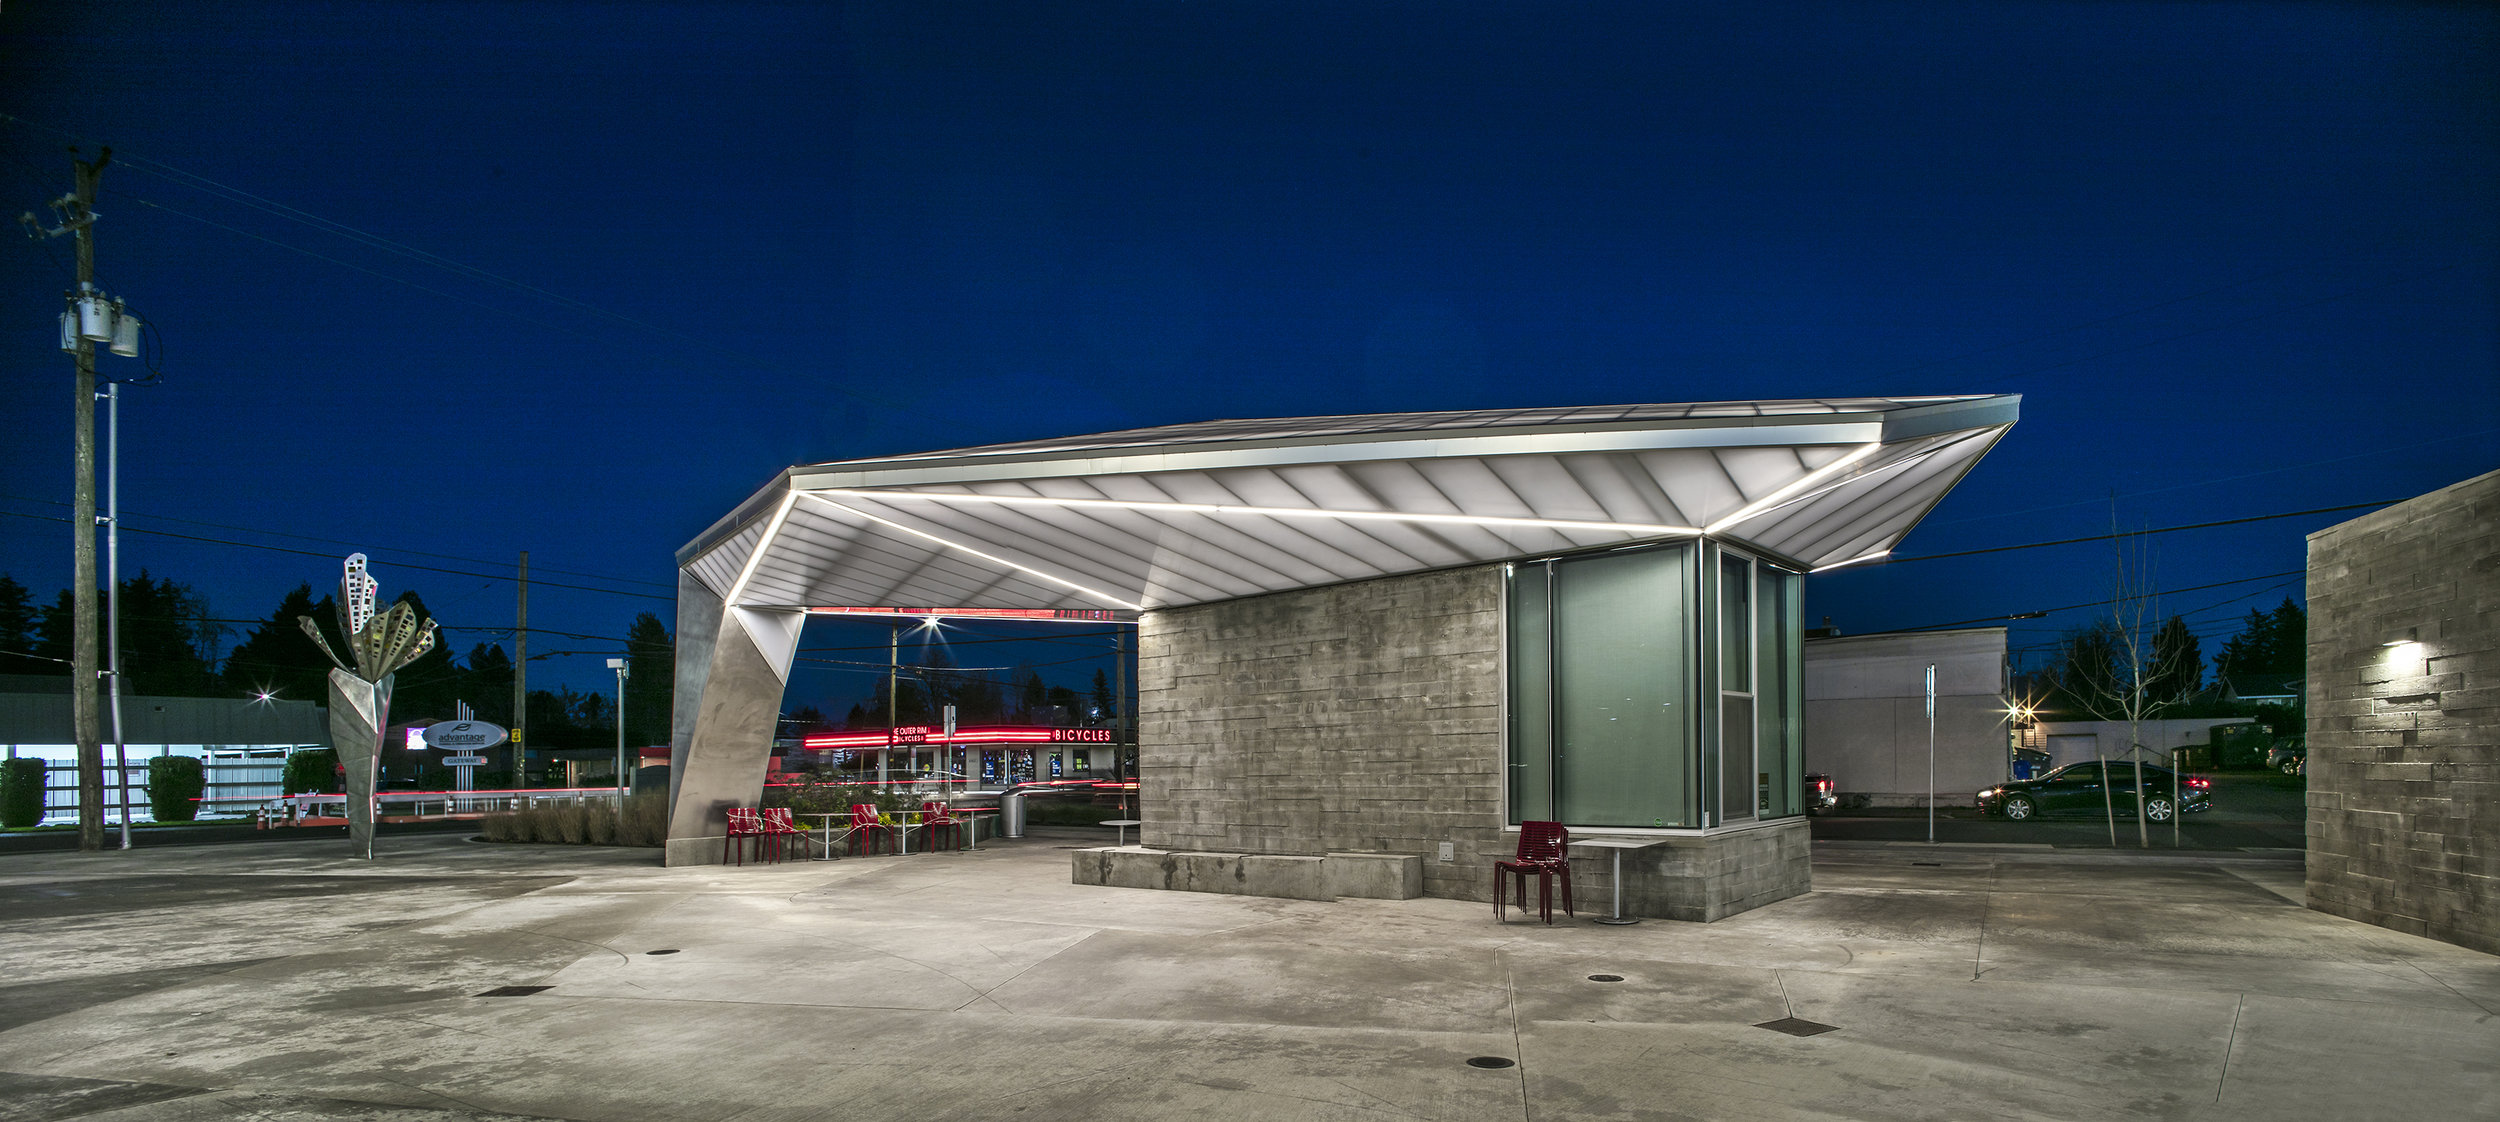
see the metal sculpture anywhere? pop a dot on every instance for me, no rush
(360, 694)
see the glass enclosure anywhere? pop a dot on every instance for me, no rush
(1609, 655)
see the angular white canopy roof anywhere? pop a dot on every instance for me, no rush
(1187, 514)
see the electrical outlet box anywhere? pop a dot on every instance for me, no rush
(1449, 851)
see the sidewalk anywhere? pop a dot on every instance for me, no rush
(285, 981)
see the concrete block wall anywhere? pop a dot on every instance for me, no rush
(1352, 718)
(1366, 718)
(2404, 741)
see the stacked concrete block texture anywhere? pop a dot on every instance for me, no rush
(2404, 716)
(1353, 718)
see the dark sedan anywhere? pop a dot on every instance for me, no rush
(2078, 789)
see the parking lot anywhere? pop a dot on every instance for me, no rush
(2252, 810)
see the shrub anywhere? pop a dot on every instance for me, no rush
(572, 823)
(21, 793)
(599, 824)
(643, 823)
(174, 787)
(312, 771)
(645, 820)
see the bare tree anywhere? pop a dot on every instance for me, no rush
(2118, 670)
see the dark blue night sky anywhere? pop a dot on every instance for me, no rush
(2239, 258)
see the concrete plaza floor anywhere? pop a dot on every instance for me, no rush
(285, 981)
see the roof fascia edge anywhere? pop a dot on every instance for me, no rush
(1994, 411)
(757, 505)
(1840, 429)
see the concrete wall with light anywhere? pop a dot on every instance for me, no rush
(2404, 716)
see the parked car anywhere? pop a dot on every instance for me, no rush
(2076, 789)
(2290, 755)
(1821, 793)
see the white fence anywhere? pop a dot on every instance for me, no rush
(237, 780)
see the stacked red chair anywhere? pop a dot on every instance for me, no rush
(744, 823)
(935, 816)
(867, 826)
(1542, 854)
(780, 829)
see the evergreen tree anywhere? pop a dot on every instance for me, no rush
(167, 640)
(1031, 697)
(651, 688)
(17, 632)
(1105, 712)
(2084, 667)
(2178, 666)
(168, 643)
(277, 658)
(427, 688)
(2269, 643)
(487, 686)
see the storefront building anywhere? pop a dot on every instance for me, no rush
(1393, 636)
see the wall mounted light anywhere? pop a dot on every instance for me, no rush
(2411, 635)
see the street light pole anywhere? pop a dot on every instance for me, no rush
(622, 672)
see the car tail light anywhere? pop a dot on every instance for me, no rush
(2199, 782)
(1822, 784)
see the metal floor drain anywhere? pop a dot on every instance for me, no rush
(1490, 1062)
(515, 991)
(1798, 1026)
(1605, 977)
(1929, 864)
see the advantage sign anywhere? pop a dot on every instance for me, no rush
(463, 736)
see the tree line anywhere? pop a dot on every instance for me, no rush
(174, 646)
(2096, 667)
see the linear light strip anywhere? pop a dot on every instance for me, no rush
(1783, 495)
(755, 557)
(1860, 560)
(991, 558)
(1268, 511)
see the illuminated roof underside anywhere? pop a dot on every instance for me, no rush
(1188, 514)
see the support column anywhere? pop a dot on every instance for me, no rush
(732, 664)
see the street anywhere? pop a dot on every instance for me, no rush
(2250, 810)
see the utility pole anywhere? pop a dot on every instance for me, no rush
(893, 672)
(521, 678)
(86, 714)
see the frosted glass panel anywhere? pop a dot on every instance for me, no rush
(1620, 692)
(1531, 696)
(1781, 692)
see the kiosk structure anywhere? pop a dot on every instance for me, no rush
(1391, 635)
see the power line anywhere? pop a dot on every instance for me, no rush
(2095, 603)
(2132, 533)
(351, 545)
(377, 561)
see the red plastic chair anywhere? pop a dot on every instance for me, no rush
(934, 816)
(781, 829)
(1541, 854)
(743, 823)
(866, 825)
